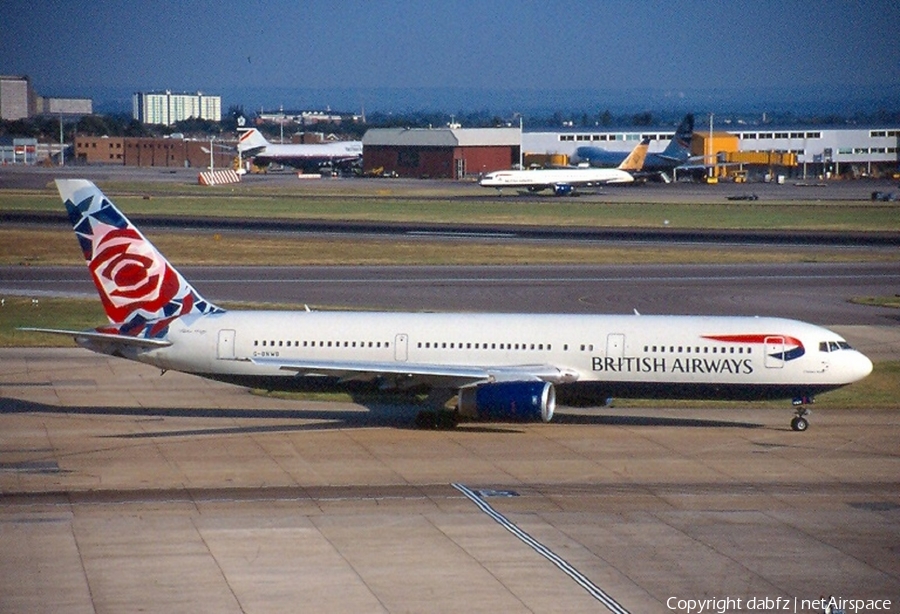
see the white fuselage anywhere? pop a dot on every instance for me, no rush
(746, 357)
(550, 177)
(340, 149)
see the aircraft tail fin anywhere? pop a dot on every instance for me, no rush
(679, 149)
(635, 160)
(251, 139)
(140, 290)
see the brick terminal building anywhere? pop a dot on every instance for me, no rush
(164, 152)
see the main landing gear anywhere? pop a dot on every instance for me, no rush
(799, 422)
(438, 415)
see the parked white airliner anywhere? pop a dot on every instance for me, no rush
(506, 367)
(308, 157)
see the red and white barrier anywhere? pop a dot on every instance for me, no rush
(218, 177)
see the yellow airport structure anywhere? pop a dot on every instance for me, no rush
(723, 151)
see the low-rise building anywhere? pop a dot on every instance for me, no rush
(157, 152)
(816, 151)
(442, 153)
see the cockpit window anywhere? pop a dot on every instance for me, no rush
(833, 346)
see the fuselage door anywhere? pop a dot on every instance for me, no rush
(225, 348)
(774, 348)
(615, 345)
(401, 347)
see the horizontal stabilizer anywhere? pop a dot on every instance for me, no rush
(106, 337)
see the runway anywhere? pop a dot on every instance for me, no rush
(124, 490)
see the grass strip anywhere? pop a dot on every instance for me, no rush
(619, 209)
(29, 246)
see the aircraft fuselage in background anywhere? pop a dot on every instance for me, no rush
(676, 153)
(309, 157)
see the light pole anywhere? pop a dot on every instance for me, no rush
(62, 143)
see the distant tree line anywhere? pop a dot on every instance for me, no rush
(46, 128)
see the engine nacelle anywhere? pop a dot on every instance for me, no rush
(562, 189)
(509, 401)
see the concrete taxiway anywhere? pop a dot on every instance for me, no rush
(124, 490)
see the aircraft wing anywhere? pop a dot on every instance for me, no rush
(425, 373)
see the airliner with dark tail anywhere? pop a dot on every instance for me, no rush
(499, 366)
(677, 154)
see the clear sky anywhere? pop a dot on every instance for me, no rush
(72, 47)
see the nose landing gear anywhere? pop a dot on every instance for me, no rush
(799, 422)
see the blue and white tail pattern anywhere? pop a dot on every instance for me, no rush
(140, 290)
(680, 146)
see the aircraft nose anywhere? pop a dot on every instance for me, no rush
(862, 366)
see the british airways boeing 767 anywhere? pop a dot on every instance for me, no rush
(508, 367)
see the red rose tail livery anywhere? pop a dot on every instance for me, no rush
(498, 366)
(140, 290)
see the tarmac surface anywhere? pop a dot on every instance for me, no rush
(794, 188)
(123, 490)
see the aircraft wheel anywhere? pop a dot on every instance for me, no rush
(799, 424)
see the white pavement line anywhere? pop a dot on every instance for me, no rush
(595, 591)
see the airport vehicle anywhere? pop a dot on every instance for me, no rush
(308, 157)
(506, 367)
(563, 181)
(676, 154)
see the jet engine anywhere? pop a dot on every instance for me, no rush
(508, 401)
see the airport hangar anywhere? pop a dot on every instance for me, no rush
(440, 153)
